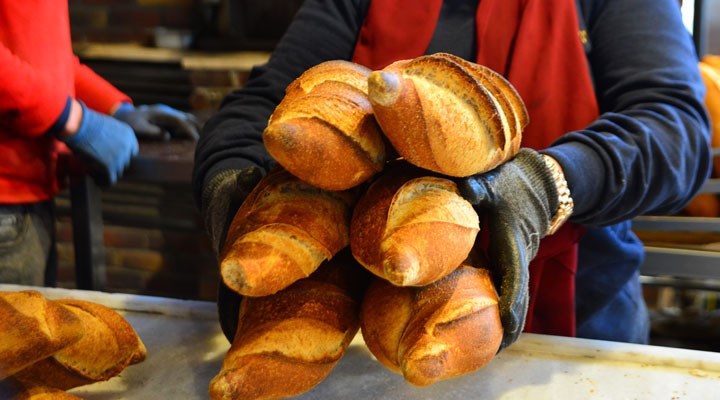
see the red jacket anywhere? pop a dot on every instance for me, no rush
(38, 72)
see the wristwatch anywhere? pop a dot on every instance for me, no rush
(565, 207)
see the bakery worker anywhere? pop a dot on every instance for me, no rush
(50, 105)
(617, 129)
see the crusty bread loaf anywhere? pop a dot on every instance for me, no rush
(411, 228)
(288, 342)
(108, 346)
(708, 204)
(448, 115)
(282, 232)
(324, 131)
(710, 71)
(33, 328)
(14, 389)
(440, 331)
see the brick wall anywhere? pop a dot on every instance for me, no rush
(154, 242)
(153, 237)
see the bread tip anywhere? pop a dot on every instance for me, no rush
(383, 87)
(401, 269)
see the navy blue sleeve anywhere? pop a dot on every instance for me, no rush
(648, 152)
(232, 138)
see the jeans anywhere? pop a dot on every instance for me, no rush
(27, 244)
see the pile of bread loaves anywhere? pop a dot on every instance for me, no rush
(50, 346)
(364, 183)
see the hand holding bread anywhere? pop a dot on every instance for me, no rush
(427, 315)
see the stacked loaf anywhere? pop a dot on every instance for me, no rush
(337, 202)
(49, 346)
(324, 131)
(448, 115)
(708, 204)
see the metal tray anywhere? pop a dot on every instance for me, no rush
(186, 348)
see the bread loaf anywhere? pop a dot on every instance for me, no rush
(436, 332)
(410, 228)
(710, 71)
(288, 342)
(282, 232)
(708, 204)
(448, 115)
(33, 328)
(324, 131)
(13, 389)
(108, 346)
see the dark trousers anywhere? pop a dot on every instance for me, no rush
(27, 244)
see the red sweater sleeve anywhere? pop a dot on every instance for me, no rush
(96, 92)
(30, 102)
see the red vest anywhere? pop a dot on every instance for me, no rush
(535, 44)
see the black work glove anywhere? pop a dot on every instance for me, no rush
(221, 199)
(518, 198)
(159, 122)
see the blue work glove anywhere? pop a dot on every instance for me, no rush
(105, 144)
(159, 122)
(518, 198)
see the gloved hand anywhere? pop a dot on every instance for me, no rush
(220, 201)
(519, 199)
(159, 122)
(105, 144)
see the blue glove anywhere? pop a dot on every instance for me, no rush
(159, 122)
(105, 144)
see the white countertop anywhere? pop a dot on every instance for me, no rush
(186, 347)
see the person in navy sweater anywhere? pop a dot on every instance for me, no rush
(618, 129)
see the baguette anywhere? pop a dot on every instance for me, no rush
(448, 115)
(282, 232)
(108, 346)
(14, 389)
(324, 131)
(288, 342)
(428, 334)
(33, 328)
(410, 228)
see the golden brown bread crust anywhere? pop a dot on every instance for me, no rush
(708, 204)
(324, 131)
(513, 107)
(108, 346)
(710, 71)
(282, 232)
(14, 389)
(447, 329)
(438, 114)
(32, 329)
(410, 228)
(289, 342)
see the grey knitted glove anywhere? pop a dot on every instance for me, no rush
(221, 199)
(519, 198)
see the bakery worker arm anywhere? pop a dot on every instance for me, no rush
(516, 223)
(105, 144)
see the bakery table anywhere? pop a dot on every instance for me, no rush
(186, 347)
